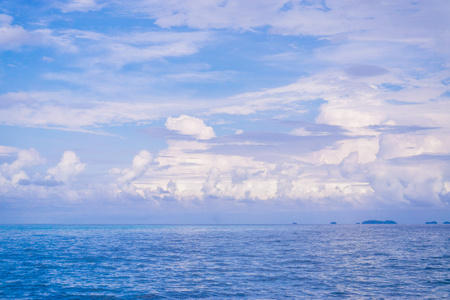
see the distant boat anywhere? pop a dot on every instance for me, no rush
(294, 223)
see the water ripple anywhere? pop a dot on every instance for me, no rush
(211, 262)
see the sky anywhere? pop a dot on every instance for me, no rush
(216, 111)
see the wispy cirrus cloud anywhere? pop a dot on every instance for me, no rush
(393, 21)
(80, 5)
(121, 48)
(53, 110)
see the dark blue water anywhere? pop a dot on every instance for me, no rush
(216, 262)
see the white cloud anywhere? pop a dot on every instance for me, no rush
(398, 21)
(47, 59)
(124, 179)
(92, 48)
(205, 76)
(11, 174)
(140, 164)
(190, 126)
(346, 115)
(66, 110)
(14, 36)
(367, 148)
(7, 150)
(204, 175)
(402, 145)
(118, 49)
(69, 167)
(25, 158)
(348, 172)
(417, 184)
(354, 103)
(41, 109)
(80, 5)
(198, 175)
(300, 132)
(134, 48)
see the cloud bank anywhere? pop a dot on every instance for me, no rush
(225, 106)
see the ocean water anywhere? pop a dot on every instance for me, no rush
(225, 262)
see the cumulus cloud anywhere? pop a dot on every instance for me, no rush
(140, 164)
(410, 183)
(12, 174)
(69, 167)
(407, 145)
(25, 158)
(124, 184)
(346, 173)
(202, 175)
(190, 126)
(344, 161)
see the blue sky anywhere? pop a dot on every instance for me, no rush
(224, 111)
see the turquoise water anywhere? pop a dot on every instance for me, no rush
(217, 262)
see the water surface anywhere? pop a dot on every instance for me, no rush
(233, 261)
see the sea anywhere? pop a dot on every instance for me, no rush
(225, 261)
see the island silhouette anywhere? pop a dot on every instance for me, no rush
(379, 222)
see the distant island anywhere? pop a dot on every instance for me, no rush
(432, 222)
(446, 222)
(333, 223)
(379, 222)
